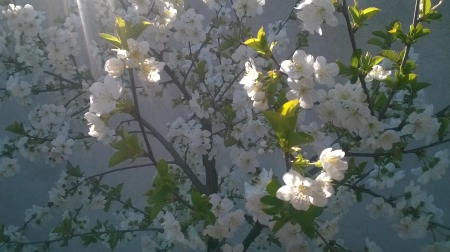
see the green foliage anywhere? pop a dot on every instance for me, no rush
(352, 72)
(412, 36)
(284, 124)
(16, 128)
(428, 13)
(359, 16)
(300, 163)
(125, 31)
(202, 209)
(306, 218)
(127, 148)
(273, 186)
(65, 227)
(73, 171)
(164, 188)
(260, 43)
(302, 39)
(111, 39)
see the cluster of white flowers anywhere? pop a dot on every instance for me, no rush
(9, 167)
(301, 191)
(190, 135)
(253, 86)
(277, 35)
(303, 66)
(227, 221)
(422, 125)
(37, 216)
(435, 170)
(384, 175)
(254, 191)
(63, 44)
(377, 73)
(246, 160)
(19, 90)
(23, 20)
(314, 12)
(158, 33)
(189, 27)
(214, 97)
(248, 8)
(197, 108)
(104, 13)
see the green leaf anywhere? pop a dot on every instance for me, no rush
(355, 14)
(380, 34)
(115, 238)
(375, 41)
(301, 163)
(137, 29)
(196, 198)
(121, 28)
(289, 110)
(279, 224)
(278, 123)
(74, 171)
(163, 168)
(230, 141)
(442, 129)
(417, 86)
(273, 186)
(225, 45)
(271, 200)
(380, 101)
(210, 218)
(368, 13)
(390, 55)
(111, 39)
(375, 60)
(425, 6)
(156, 208)
(16, 128)
(260, 43)
(299, 138)
(355, 57)
(412, 77)
(118, 157)
(309, 231)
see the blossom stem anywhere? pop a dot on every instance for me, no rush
(160, 230)
(251, 236)
(405, 58)
(137, 115)
(212, 183)
(178, 159)
(287, 161)
(351, 34)
(442, 111)
(59, 77)
(117, 170)
(184, 202)
(354, 154)
(324, 240)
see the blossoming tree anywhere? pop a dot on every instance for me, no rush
(242, 101)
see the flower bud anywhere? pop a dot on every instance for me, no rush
(114, 67)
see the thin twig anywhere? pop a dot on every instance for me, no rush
(137, 115)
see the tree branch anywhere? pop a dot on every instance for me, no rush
(137, 115)
(178, 159)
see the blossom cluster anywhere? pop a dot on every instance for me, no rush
(241, 107)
